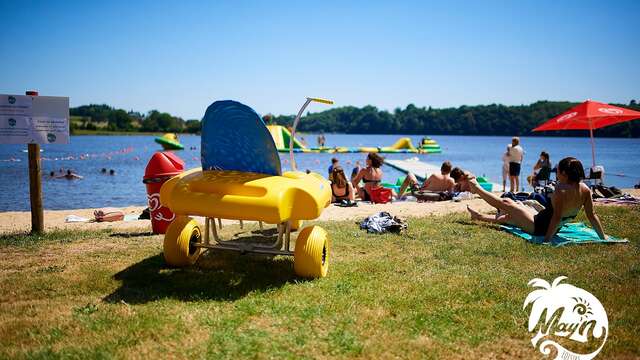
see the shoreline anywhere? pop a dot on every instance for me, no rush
(12, 222)
(20, 221)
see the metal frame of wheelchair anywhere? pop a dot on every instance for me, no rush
(185, 241)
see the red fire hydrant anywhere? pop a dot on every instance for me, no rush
(161, 167)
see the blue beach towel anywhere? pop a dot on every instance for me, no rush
(571, 233)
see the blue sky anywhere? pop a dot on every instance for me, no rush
(181, 56)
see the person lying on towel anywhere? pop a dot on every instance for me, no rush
(569, 197)
(432, 187)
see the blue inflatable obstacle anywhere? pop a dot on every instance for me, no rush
(234, 137)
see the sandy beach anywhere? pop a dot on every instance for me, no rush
(12, 222)
(20, 221)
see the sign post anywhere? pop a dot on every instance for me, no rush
(34, 120)
(35, 184)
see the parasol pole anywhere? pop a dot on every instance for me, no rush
(593, 144)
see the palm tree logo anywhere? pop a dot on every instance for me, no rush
(563, 311)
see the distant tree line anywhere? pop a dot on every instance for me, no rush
(464, 120)
(105, 117)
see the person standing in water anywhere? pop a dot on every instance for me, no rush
(516, 156)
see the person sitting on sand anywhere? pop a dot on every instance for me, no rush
(541, 170)
(461, 178)
(371, 176)
(435, 183)
(569, 197)
(70, 176)
(341, 189)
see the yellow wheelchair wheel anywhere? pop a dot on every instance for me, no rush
(178, 242)
(311, 255)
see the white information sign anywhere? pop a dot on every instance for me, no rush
(34, 119)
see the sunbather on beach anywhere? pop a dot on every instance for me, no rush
(371, 176)
(461, 178)
(569, 197)
(435, 182)
(341, 189)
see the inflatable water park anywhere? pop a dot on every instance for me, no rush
(282, 138)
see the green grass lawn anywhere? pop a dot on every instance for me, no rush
(448, 288)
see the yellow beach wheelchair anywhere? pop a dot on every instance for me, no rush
(241, 179)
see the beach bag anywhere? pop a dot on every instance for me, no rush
(108, 215)
(606, 191)
(380, 195)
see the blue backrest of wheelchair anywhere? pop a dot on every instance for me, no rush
(234, 137)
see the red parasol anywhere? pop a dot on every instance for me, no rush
(588, 116)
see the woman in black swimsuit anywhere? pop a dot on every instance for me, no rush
(569, 197)
(341, 189)
(371, 176)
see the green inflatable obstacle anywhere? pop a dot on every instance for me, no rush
(169, 141)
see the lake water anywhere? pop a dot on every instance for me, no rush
(128, 156)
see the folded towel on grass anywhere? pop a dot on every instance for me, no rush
(571, 233)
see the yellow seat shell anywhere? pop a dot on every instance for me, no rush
(247, 196)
